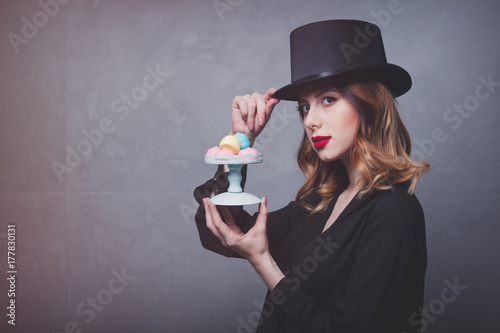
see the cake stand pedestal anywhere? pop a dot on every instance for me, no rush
(235, 195)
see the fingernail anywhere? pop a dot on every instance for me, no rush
(261, 121)
(250, 126)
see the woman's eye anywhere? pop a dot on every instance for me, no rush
(303, 108)
(329, 100)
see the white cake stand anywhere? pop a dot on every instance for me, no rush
(235, 195)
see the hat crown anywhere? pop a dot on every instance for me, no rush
(331, 47)
(340, 52)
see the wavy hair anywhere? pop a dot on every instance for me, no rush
(381, 150)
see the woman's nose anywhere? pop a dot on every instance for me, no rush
(311, 119)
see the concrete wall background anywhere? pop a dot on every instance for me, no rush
(126, 208)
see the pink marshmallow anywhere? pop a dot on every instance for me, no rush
(212, 151)
(248, 151)
(225, 152)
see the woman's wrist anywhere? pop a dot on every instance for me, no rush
(262, 262)
(268, 270)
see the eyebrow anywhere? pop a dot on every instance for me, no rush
(321, 92)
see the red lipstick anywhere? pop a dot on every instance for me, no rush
(320, 141)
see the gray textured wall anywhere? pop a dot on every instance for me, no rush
(126, 208)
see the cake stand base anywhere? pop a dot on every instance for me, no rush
(235, 199)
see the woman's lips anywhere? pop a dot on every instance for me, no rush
(320, 141)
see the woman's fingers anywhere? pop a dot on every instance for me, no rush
(269, 94)
(250, 245)
(252, 111)
(224, 232)
(260, 112)
(215, 224)
(210, 221)
(261, 222)
(239, 111)
(270, 102)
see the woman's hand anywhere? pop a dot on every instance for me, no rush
(253, 245)
(250, 113)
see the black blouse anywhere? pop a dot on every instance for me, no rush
(365, 273)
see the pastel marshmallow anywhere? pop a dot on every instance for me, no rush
(244, 140)
(230, 142)
(225, 152)
(212, 151)
(248, 151)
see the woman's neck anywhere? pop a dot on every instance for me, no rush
(355, 177)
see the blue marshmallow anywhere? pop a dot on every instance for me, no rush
(244, 141)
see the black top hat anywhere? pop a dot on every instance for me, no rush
(340, 52)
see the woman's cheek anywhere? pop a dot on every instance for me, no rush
(351, 121)
(352, 118)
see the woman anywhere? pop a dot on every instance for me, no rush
(349, 254)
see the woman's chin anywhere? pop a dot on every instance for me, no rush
(331, 156)
(325, 157)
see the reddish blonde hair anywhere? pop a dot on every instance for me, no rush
(381, 150)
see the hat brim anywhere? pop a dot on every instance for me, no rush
(394, 77)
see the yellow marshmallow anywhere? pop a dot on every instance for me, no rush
(230, 142)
